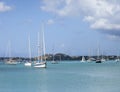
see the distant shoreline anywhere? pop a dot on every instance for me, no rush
(61, 57)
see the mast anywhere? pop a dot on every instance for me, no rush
(118, 54)
(98, 51)
(89, 51)
(42, 49)
(38, 47)
(9, 49)
(29, 48)
(43, 38)
(53, 54)
(43, 42)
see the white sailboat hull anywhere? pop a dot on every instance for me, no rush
(27, 64)
(40, 65)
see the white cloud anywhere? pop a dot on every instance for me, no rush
(113, 37)
(104, 24)
(4, 7)
(59, 7)
(89, 18)
(50, 21)
(101, 14)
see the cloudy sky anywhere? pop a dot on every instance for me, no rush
(75, 27)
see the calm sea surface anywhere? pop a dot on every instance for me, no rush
(63, 77)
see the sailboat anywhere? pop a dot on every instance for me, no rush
(98, 60)
(10, 61)
(28, 63)
(53, 61)
(117, 58)
(41, 63)
(83, 59)
(90, 58)
(103, 57)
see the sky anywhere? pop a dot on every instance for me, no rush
(74, 27)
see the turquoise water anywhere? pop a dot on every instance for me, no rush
(62, 77)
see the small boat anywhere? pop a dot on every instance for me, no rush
(54, 62)
(91, 59)
(40, 65)
(83, 59)
(28, 63)
(103, 60)
(117, 60)
(98, 61)
(11, 62)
